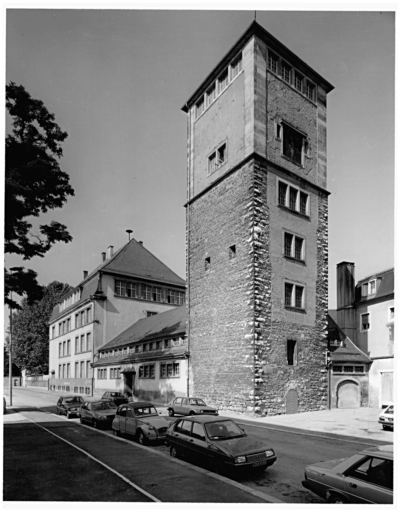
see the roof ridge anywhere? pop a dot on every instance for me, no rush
(387, 270)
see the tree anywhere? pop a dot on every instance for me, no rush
(30, 329)
(34, 184)
(15, 369)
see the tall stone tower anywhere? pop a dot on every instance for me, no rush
(257, 231)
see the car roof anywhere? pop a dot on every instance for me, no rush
(136, 405)
(206, 418)
(70, 396)
(385, 450)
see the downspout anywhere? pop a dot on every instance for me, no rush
(188, 258)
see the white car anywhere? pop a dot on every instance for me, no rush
(386, 418)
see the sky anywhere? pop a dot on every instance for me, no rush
(116, 81)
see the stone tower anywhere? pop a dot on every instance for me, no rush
(257, 231)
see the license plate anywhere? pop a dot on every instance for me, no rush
(261, 463)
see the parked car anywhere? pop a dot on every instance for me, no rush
(219, 444)
(386, 418)
(99, 413)
(116, 397)
(141, 420)
(69, 405)
(189, 407)
(366, 477)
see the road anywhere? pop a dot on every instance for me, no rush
(282, 480)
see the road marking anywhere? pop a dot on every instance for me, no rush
(100, 462)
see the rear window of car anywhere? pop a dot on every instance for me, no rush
(99, 406)
(74, 400)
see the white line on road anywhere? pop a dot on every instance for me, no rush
(100, 462)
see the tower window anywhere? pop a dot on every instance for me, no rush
(273, 62)
(294, 247)
(291, 351)
(236, 66)
(232, 252)
(292, 147)
(207, 263)
(217, 159)
(365, 322)
(294, 296)
(286, 72)
(293, 198)
(310, 91)
(298, 81)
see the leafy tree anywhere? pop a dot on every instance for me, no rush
(15, 369)
(34, 184)
(30, 329)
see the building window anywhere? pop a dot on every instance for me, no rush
(82, 373)
(232, 252)
(294, 296)
(293, 247)
(137, 348)
(87, 391)
(82, 318)
(223, 81)
(88, 315)
(169, 370)
(59, 371)
(292, 144)
(273, 62)
(298, 81)
(310, 91)
(152, 346)
(89, 341)
(291, 352)
(60, 328)
(348, 369)
(151, 313)
(217, 159)
(83, 349)
(236, 66)
(60, 350)
(391, 313)
(211, 95)
(120, 288)
(147, 292)
(145, 347)
(200, 107)
(167, 343)
(88, 370)
(207, 263)
(147, 371)
(158, 345)
(359, 369)
(365, 322)
(53, 332)
(293, 198)
(337, 369)
(77, 320)
(68, 370)
(68, 347)
(157, 294)
(77, 345)
(286, 72)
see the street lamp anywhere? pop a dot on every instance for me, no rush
(10, 358)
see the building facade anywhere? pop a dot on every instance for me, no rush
(365, 313)
(257, 232)
(149, 360)
(129, 284)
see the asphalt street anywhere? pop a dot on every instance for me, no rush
(281, 481)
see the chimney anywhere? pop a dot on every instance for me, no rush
(85, 273)
(141, 243)
(345, 284)
(103, 257)
(110, 251)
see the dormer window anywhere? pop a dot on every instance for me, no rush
(369, 288)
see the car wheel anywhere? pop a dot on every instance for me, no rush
(171, 412)
(174, 452)
(142, 439)
(117, 433)
(336, 498)
(192, 413)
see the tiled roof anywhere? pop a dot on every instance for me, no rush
(349, 352)
(385, 287)
(131, 260)
(167, 324)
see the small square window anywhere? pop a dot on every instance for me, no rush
(337, 369)
(291, 351)
(391, 313)
(207, 263)
(348, 369)
(221, 155)
(365, 322)
(232, 252)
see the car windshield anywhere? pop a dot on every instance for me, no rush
(390, 410)
(74, 400)
(196, 401)
(99, 406)
(223, 430)
(116, 395)
(146, 411)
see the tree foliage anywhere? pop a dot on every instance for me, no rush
(34, 184)
(15, 370)
(30, 329)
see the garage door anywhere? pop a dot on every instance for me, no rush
(348, 395)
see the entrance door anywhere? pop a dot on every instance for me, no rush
(129, 383)
(348, 395)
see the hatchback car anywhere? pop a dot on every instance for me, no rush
(189, 407)
(386, 418)
(116, 397)
(219, 444)
(141, 420)
(366, 477)
(98, 413)
(69, 405)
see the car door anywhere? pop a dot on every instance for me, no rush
(176, 405)
(131, 421)
(185, 428)
(59, 405)
(84, 411)
(370, 481)
(121, 417)
(184, 407)
(198, 446)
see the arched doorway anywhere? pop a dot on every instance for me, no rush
(292, 402)
(348, 395)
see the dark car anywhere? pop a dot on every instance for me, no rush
(99, 413)
(69, 405)
(366, 477)
(141, 420)
(116, 397)
(219, 444)
(189, 407)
